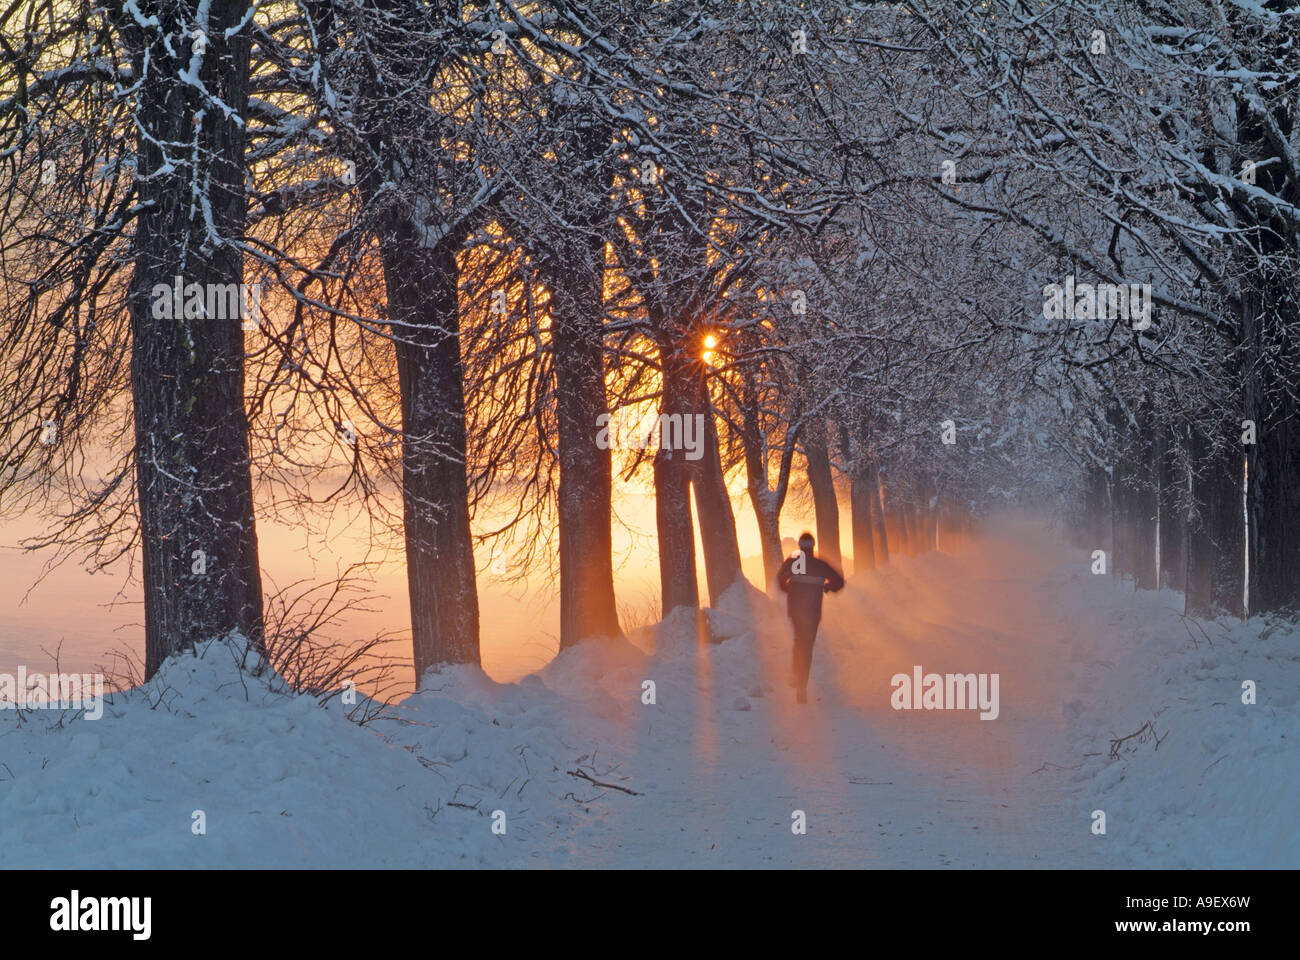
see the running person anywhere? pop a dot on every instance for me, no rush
(804, 578)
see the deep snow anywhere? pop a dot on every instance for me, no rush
(723, 758)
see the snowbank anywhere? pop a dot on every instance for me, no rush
(279, 780)
(1212, 781)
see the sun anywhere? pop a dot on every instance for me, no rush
(710, 344)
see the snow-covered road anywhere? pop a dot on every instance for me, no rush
(878, 786)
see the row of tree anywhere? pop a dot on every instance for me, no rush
(478, 230)
(1164, 138)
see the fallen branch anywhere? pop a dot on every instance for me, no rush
(583, 775)
(1186, 620)
(1057, 766)
(1117, 742)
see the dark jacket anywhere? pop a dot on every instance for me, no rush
(804, 589)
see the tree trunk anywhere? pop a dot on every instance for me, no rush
(1270, 321)
(896, 534)
(587, 605)
(875, 489)
(1225, 481)
(822, 483)
(672, 479)
(862, 495)
(1121, 495)
(1097, 512)
(423, 312)
(1142, 520)
(1173, 562)
(713, 505)
(421, 279)
(769, 536)
(198, 537)
(1198, 539)
(925, 514)
(766, 501)
(1272, 520)
(767, 512)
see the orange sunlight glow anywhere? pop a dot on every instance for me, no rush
(710, 344)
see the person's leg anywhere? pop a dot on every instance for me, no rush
(793, 679)
(805, 633)
(803, 657)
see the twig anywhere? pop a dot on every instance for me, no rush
(1057, 766)
(1117, 742)
(583, 775)
(1186, 619)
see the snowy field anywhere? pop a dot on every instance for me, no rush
(712, 772)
